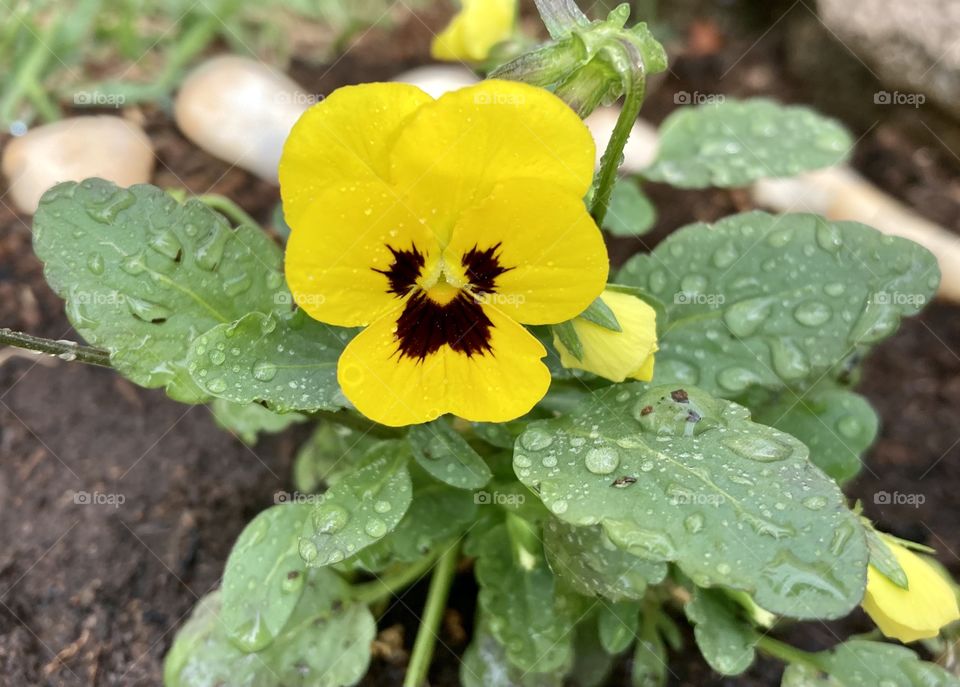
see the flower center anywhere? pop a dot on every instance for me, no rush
(443, 304)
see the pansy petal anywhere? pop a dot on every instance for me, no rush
(554, 254)
(457, 148)
(345, 138)
(338, 263)
(499, 385)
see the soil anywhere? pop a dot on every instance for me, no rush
(92, 593)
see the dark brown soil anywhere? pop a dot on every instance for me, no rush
(91, 594)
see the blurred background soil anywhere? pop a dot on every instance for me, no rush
(92, 594)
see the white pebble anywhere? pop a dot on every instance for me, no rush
(240, 110)
(74, 149)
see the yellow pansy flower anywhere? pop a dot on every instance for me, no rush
(612, 354)
(441, 226)
(476, 28)
(914, 613)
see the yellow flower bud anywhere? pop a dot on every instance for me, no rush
(611, 354)
(914, 613)
(476, 28)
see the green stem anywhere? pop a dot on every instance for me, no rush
(67, 350)
(432, 614)
(786, 653)
(610, 162)
(228, 209)
(383, 587)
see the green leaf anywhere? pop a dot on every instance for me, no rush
(246, 421)
(526, 611)
(617, 625)
(443, 452)
(264, 576)
(882, 558)
(775, 301)
(586, 559)
(437, 515)
(630, 213)
(361, 508)
(331, 452)
(485, 664)
(650, 666)
(285, 362)
(143, 275)
(675, 475)
(569, 338)
(326, 643)
(734, 143)
(592, 664)
(836, 424)
(725, 639)
(860, 663)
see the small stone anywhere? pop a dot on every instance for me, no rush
(437, 79)
(240, 110)
(641, 147)
(75, 149)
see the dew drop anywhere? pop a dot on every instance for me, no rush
(757, 448)
(375, 528)
(602, 461)
(536, 439)
(264, 370)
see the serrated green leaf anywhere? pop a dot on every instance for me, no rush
(331, 452)
(285, 362)
(773, 301)
(247, 421)
(586, 559)
(734, 143)
(143, 275)
(526, 611)
(361, 508)
(882, 558)
(437, 515)
(860, 663)
(443, 452)
(630, 213)
(617, 625)
(836, 424)
(673, 474)
(725, 639)
(264, 577)
(326, 643)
